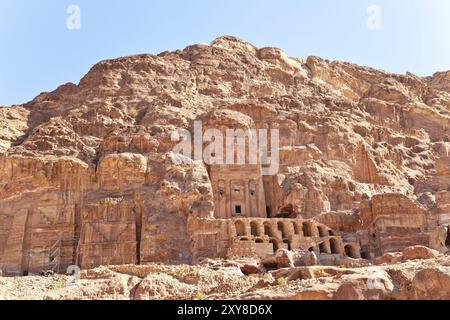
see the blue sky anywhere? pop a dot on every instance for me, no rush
(38, 52)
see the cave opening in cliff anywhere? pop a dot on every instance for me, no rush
(334, 246)
(307, 229)
(269, 212)
(268, 230)
(350, 251)
(288, 243)
(323, 248)
(447, 241)
(254, 229)
(322, 231)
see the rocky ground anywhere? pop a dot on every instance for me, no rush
(244, 280)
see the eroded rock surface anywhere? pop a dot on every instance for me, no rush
(88, 177)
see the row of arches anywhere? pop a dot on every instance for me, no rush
(286, 229)
(273, 241)
(333, 246)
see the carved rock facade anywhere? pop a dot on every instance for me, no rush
(87, 174)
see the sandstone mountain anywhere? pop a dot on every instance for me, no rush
(87, 174)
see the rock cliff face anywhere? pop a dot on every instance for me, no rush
(87, 174)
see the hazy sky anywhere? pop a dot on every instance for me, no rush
(38, 51)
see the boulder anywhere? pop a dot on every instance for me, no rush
(308, 259)
(432, 284)
(161, 286)
(375, 285)
(419, 252)
(284, 259)
(250, 268)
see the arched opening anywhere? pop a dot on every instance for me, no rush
(259, 240)
(268, 230)
(334, 246)
(245, 239)
(323, 248)
(254, 229)
(350, 251)
(307, 229)
(311, 249)
(274, 242)
(288, 244)
(269, 212)
(281, 229)
(322, 231)
(331, 233)
(447, 241)
(240, 228)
